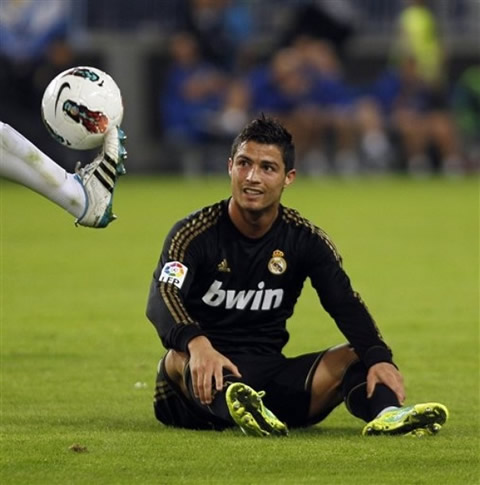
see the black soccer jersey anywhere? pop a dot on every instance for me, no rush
(239, 292)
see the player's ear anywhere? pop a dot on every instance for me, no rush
(289, 177)
(230, 165)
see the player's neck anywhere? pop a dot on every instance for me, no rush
(252, 224)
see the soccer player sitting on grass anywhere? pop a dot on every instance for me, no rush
(87, 194)
(228, 279)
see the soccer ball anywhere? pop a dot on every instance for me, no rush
(80, 105)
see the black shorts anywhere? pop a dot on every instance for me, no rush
(286, 382)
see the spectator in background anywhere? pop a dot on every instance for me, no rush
(374, 144)
(334, 98)
(284, 87)
(222, 29)
(418, 38)
(303, 86)
(417, 124)
(414, 93)
(333, 22)
(193, 93)
(354, 135)
(28, 27)
(466, 109)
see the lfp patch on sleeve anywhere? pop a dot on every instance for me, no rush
(174, 273)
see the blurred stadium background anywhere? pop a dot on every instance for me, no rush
(364, 85)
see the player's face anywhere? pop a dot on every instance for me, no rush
(258, 176)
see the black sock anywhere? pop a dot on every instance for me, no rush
(354, 388)
(382, 398)
(218, 407)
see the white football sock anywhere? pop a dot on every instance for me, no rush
(22, 162)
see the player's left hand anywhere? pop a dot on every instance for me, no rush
(388, 374)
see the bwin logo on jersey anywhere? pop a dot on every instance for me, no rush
(261, 299)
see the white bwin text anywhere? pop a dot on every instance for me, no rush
(260, 299)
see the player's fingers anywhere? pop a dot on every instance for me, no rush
(395, 382)
(219, 378)
(206, 388)
(233, 368)
(198, 386)
(399, 392)
(371, 383)
(194, 376)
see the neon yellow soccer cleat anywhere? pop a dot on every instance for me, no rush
(430, 430)
(418, 420)
(248, 411)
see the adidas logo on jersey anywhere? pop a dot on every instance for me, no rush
(223, 266)
(261, 299)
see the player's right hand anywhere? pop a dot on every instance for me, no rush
(206, 367)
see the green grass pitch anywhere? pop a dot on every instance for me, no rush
(78, 356)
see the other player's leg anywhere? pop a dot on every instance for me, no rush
(87, 194)
(22, 162)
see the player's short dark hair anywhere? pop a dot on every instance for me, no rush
(268, 131)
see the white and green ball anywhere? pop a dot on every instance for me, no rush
(80, 105)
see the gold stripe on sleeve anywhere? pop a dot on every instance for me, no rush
(203, 220)
(198, 224)
(179, 312)
(292, 216)
(164, 292)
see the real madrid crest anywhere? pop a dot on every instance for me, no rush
(277, 264)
